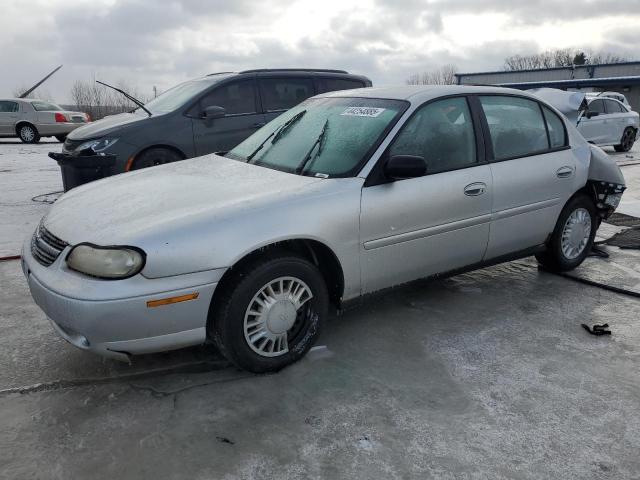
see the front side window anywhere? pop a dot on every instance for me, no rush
(284, 93)
(516, 126)
(8, 107)
(322, 136)
(597, 106)
(45, 106)
(333, 84)
(442, 133)
(236, 98)
(557, 134)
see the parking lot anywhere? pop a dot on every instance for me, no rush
(484, 375)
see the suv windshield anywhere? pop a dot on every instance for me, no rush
(322, 136)
(180, 94)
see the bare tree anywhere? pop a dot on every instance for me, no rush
(445, 75)
(561, 57)
(99, 101)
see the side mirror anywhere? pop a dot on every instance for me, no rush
(400, 167)
(213, 112)
(592, 114)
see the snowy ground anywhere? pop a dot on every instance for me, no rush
(483, 375)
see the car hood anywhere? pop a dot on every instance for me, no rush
(105, 126)
(132, 208)
(571, 104)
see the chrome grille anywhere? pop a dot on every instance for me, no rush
(46, 247)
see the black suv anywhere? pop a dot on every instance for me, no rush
(200, 116)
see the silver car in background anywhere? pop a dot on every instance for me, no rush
(609, 122)
(346, 194)
(29, 119)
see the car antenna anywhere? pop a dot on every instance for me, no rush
(133, 99)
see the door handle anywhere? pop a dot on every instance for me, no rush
(475, 189)
(564, 172)
(258, 125)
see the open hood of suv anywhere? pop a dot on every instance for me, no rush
(106, 126)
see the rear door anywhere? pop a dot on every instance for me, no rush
(617, 120)
(239, 99)
(8, 117)
(436, 223)
(532, 168)
(279, 94)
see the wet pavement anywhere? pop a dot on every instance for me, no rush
(485, 375)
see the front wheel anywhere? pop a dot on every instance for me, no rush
(572, 237)
(155, 156)
(627, 140)
(28, 133)
(269, 313)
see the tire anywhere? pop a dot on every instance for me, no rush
(627, 140)
(155, 156)
(28, 133)
(233, 320)
(580, 209)
(61, 138)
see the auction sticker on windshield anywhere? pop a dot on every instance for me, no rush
(363, 111)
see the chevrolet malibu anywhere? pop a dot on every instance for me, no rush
(346, 194)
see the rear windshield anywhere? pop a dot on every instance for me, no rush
(45, 106)
(180, 94)
(328, 137)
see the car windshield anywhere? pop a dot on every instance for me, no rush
(45, 107)
(180, 94)
(328, 137)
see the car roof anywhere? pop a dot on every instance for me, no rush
(421, 93)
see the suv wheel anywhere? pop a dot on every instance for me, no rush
(573, 236)
(155, 156)
(270, 313)
(627, 141)
(28, 133)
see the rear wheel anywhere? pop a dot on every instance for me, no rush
(269, 313)
(155, 156)
(627, 140)
(28, 133)
(61, 138)
(572, 237)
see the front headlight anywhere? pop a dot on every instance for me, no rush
(97, 145)
(106, 262)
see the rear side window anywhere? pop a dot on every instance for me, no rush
(597, 106)
(236, 98)
(557, 133)
(333, 84)
(8, 107)
(442, 133)
(613, 107)
(283, 93)
(516, 126)
(45, 107)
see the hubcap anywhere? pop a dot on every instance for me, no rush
(27, 133)
(273, 313)
(576, 233)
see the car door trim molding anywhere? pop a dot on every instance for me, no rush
(427, 232)
(530, 207)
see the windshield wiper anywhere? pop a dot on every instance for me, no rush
(133, 99)
(318, 143)
(278, 133)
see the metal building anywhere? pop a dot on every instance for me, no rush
(613, 77)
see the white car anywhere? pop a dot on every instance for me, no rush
(608, 122)
(615, 95)
(29, 119)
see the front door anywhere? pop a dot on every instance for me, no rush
(432, 224)
(242, 118)
(533, 172)
(593, 124)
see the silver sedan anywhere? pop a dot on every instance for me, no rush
(30, 119)
(346, 194)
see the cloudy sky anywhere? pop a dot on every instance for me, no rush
(162, 42)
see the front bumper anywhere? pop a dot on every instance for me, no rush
(112, 318)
